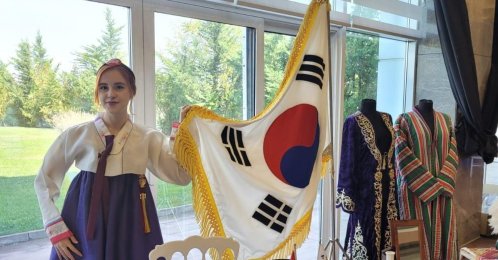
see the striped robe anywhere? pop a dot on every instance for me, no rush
(426, 171)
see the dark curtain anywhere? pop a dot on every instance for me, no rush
(490, 104)
(473, 130)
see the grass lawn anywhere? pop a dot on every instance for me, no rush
(21, 154)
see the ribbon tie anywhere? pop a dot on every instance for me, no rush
(100, 192)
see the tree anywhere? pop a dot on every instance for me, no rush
(277, 51)
(23, 82)
(80, 82)
(47, 97)
(79, 86)
(6, 83)
(204, 67)
(36, 94)
(107, 47)
(361, 70)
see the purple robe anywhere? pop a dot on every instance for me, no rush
(366, 187)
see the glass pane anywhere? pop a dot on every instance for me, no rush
(50, 53)
(490, 187)
(351, 8)
(197, 62)
(375, 69)
(276, 53)
(362, 58)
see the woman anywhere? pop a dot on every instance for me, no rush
(109, 211)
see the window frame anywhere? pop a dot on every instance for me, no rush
(142, 61)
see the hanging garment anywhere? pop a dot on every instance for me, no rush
(426, 170)
(366, 188)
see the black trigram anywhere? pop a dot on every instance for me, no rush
(272, 213)
(310, 69)
(235, 146)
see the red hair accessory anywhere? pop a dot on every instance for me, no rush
(113, 62)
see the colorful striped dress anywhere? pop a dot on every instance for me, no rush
(426, 171)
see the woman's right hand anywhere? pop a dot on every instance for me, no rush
(65, 248)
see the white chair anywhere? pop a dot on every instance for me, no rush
(221, 244)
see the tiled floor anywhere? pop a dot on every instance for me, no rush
(174, 225)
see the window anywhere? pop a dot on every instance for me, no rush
(197, 62)
(277, 50)
(158, 39)
(50, 53)
(375, 69)
(490, 187)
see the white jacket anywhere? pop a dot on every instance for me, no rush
(135, 149)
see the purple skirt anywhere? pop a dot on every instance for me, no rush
(123, 236)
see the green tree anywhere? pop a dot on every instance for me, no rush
(203, 66)
(48, 97)
(80, 82)
(23, 85)
(107, 47)
(6, 83)
(361, 70)
(276, 54)
(79, 87)
(37, 95)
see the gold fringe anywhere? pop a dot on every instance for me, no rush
(188, 156)
(297, 236)
(203, 202)
(327, 162)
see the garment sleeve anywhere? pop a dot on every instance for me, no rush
(346, 191)
(162, 163)
(47, 187)
(447, 174)
(420, 181)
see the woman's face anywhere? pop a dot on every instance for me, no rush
(114, 92)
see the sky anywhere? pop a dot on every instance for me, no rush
(68, 25)
(65, 26)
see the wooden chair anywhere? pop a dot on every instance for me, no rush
(167, 250)
(408, 238)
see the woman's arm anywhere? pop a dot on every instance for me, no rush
(47, 187)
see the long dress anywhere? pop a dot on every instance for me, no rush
(366, 188)
(426, 171)
(125, 224)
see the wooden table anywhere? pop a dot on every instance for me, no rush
(482, 248)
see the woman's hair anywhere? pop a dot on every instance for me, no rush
(123, 69)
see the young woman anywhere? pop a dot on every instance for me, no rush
(109, 211)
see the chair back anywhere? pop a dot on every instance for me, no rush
(220, 244)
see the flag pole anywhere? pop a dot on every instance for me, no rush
(333, 242)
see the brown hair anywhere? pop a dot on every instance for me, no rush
(123, 69)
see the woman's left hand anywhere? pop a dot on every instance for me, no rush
(183, 112)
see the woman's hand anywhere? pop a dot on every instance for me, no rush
(183, 112)
(65, 248)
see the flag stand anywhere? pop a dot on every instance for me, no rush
(333, 242)
(323, 254)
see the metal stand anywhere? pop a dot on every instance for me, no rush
(333, 242)
(323, 255)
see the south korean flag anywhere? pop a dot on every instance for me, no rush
(256, 181)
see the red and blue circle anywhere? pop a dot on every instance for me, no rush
(291, 144)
